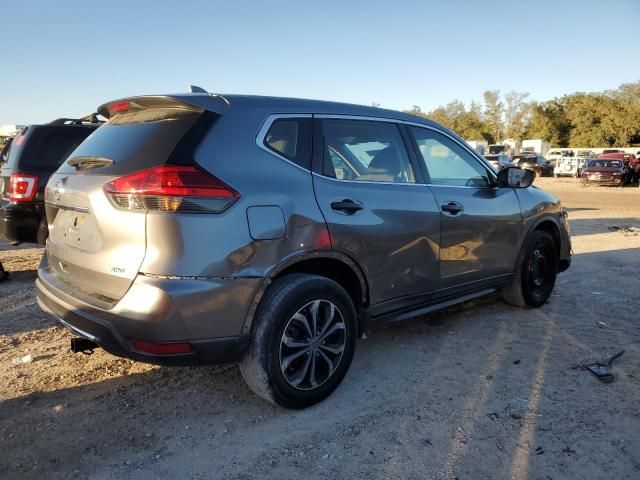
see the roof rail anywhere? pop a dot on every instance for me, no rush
(91, 118)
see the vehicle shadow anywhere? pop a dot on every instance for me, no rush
(590, 226)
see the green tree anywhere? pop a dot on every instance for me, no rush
(493, 109)
(517, 112)
(610, 118)
(549, 122)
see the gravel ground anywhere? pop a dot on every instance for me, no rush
(483, 390)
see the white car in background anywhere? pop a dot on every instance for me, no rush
(567, 166)
(556, 154)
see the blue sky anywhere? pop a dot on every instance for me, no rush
(64, 58)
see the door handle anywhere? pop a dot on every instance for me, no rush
(452, 208)
(347, 206)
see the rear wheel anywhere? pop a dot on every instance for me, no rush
(535, 274)
(303, 341)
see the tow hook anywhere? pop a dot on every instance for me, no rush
(83, 345)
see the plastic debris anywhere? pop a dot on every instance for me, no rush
(23, 359)
(602, 370)
(625, 229)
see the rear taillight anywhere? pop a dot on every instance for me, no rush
(22, 188)
(171, 188)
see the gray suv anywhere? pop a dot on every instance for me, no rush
(197, 228)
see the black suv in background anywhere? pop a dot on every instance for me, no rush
(534, 162)
(35, 153)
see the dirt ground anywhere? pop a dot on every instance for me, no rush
(480, 391)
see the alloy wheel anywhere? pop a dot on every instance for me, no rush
(312, 345)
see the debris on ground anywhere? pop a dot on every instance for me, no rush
(539, 451)
(23, 359)
(602, 370)
(493, 416)
(427, 442)
(625, 229)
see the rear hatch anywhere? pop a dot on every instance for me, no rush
(97, 237)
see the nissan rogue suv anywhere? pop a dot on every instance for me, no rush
(198, 228)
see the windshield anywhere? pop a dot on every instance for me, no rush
(605, 163)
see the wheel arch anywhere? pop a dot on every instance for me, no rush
(326, 263)
(548, 224)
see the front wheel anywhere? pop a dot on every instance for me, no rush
(303, 341)
(535, 274)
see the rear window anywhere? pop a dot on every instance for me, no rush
(48, 147)
(137, 141)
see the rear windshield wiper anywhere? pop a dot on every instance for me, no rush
(85, 163)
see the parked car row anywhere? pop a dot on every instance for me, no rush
(613, 168)
(526, 160)
(196, 228)
(578, 164)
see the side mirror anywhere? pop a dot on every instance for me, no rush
(514, 177)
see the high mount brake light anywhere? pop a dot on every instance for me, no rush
(119, 107)
(171, 188)
(22, 188)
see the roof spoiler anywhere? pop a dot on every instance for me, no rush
(137, 104)
(195, 101)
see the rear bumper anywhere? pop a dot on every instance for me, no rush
(208, 314)
(19, 223)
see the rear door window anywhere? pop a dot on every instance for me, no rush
(363, 150)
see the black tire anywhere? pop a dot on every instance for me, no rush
(284, 299)
(535, 274)
(43, 232)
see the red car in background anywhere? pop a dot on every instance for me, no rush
(631, 163)
(604, 171)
